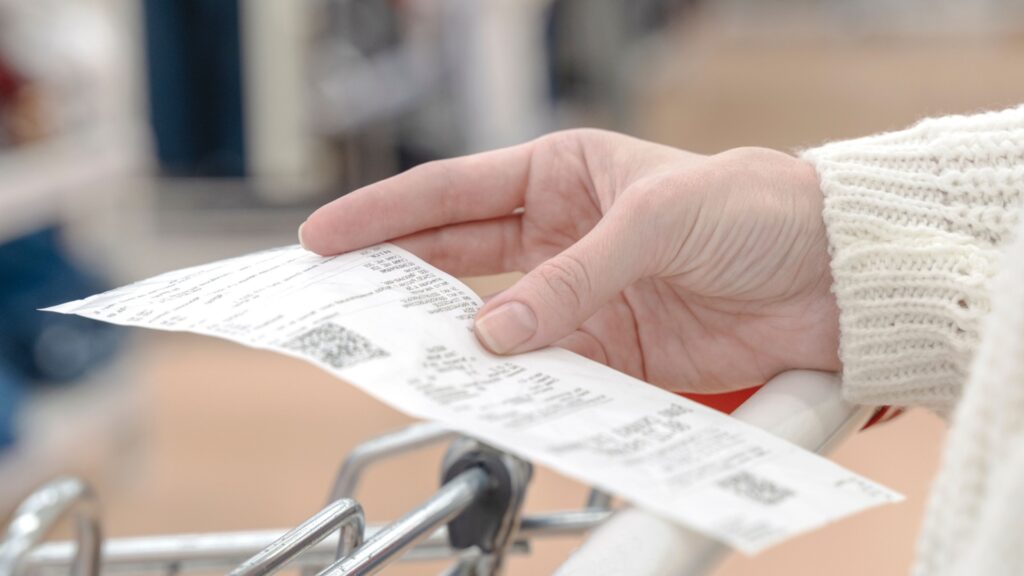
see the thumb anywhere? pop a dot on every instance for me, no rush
(556, 297)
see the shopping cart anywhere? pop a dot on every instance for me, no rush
(475, 518)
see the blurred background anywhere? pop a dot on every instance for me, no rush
(141, 136)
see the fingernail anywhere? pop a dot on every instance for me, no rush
(506, 327)
(301, 243)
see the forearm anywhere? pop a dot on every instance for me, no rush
(915, 221)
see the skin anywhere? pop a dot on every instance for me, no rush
(695, 273)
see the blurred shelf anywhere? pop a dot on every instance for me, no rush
(38, 182)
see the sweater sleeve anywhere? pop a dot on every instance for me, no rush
(915, 221)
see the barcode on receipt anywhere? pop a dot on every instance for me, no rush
(760, 490)
(335, 345)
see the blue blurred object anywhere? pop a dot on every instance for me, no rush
(194, 65)
(11, 391)
(42, 347)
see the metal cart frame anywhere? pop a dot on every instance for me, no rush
(475, 518)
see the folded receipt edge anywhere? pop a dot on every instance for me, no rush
(493, 435)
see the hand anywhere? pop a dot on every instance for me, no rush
(696, 273)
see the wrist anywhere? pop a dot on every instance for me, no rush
(819, 349)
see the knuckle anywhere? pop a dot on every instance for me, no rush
(653, 208)
(568, 280)
(647, 200)
(572, 139)
(568, 141)
(557, 142)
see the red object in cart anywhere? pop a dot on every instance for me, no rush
(729, 401)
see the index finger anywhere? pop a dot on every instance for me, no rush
(476, 187)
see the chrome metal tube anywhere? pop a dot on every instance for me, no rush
(455, 496)
(398, 442)
(38, 514)
(345, 514)
(222, 550)
(362, 456)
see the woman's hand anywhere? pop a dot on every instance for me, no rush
(695, 273)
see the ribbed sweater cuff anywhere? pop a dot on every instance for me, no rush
(915, 220)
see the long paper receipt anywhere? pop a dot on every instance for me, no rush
(401, 330)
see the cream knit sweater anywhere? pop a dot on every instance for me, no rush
(930, 286)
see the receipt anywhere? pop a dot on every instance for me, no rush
(401, 330)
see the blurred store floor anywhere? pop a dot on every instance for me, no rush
(239, 439)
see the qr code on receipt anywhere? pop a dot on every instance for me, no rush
(334, 345)
(759, 490)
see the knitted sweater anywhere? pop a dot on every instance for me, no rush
(930, 286)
